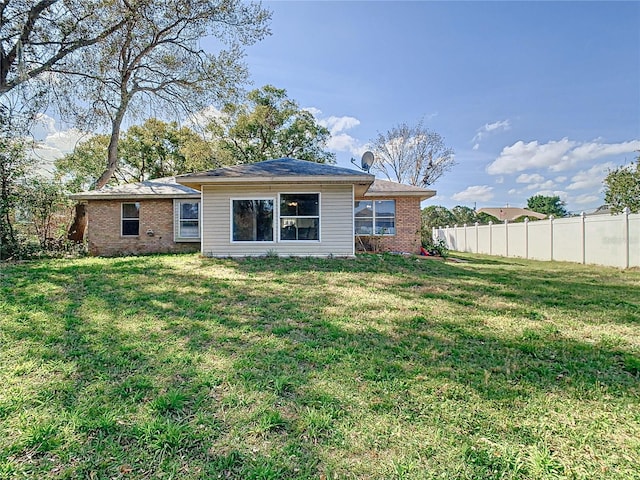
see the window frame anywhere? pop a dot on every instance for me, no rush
(281, 217)
(273, 220)
(128, 219)
(178, 237)
(374, 218)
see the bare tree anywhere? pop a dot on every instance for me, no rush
(412, 155)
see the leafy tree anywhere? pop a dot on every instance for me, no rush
(548, 205)
(464, 215)
(80, 169)
(435, 216)
(622, 188)
(46, 205)
(36, 35)
(268, 125)
(154, 149)
(14, 166)
(158, 149)
(154, 61)
(412, 154)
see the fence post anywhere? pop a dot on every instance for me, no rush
(455, 232)
(506, 238)
(551, 217)
(627, 242)
(583, 232)
(465, 237)
(490, 237)
(526, 237)
(477, 223)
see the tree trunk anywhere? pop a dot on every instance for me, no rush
(112, 150)
(79, 225)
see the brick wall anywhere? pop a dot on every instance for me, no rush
(408, 224)
(104, 228)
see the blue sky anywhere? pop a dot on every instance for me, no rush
(535, 97)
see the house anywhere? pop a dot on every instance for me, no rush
(283, 206)
(511, 213)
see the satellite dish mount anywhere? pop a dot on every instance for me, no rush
(366, 161)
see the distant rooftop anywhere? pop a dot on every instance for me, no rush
(510, 213)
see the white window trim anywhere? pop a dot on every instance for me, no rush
(373, 217)
(319, 217)
(252, 242)
(123, 218)
(177, 211)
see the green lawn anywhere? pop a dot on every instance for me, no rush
(378, 367)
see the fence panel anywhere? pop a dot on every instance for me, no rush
(605, 240)
(567, 239)
(540, 240)
(611, 240)
(518, 240)
(634, 240)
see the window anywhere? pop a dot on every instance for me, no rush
(300, 216)
(252, 220)
(375, 217)
(189, 219)
(130, 219)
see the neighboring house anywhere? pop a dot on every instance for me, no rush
(510, 213)
(283, 206)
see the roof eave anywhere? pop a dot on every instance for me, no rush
(420, 195)
(129, 196)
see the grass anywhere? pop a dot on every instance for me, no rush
(375, 367)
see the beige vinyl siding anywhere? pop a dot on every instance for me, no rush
(336, 221)
(176, 219)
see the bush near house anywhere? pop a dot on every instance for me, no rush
(380, 366)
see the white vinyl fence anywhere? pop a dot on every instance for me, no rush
(611, 240)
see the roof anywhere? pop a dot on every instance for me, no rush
(385, 188)
(157, 188)
(510, 213)
(280, 170)
(601, 210)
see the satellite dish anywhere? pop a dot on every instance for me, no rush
(367, 161)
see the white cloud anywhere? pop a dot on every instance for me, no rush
(339, 124)
(552, 193)
(530, 178)
(555, 155)
(51, 143)
(513, 191)
(201, 119)
(561, 179)
(480, 193)
(524, 156)
(488, 128)
(548, 185)
(343, 142)
(340, 141)
(500, 180)
(593, 151)
(591, 178)
(316, 112)
(585, 199)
